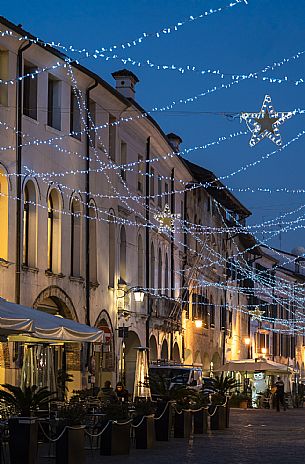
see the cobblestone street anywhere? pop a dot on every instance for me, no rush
(254, 436)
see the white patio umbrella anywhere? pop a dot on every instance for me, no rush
(27, 324)
(252, 365)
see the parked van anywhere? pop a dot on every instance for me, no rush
(176, 375)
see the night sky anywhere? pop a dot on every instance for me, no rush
(239, 40)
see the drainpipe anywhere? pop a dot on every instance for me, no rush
(87, 196)
(19, 169)
(172, 293)
(147, 239)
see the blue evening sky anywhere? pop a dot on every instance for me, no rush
(239, 40)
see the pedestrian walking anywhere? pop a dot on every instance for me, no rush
(280, 394)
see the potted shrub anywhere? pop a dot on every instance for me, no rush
(240, 400)
(184, 419)
(144, 423)
(70, 446)
(163, 419)
(222, 386)
(116, 436)
(200, 412)
(23, 429)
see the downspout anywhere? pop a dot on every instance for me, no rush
(19, 169)
(172, 292)
(87, 196)
(147, 239)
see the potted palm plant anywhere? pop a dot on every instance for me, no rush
(222, 386)
(144, 423)
(70, 445)
(23, 429)
(116, 425)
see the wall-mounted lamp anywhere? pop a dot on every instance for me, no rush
(264, 350)
(247, 341)
(198, 323)
(138, 293)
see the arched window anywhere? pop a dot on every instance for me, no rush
(54, 232)
(123, 255)
(75, 238)
(140, 262)
(160, 271)
(111, 251)
(92, 244)
(29, 225)
(166, 275)
(3, 215)
(152, 267)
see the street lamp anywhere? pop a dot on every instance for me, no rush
(138, 293)
(198, 323)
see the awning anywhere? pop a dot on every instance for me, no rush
(252, 365)
(35, 324)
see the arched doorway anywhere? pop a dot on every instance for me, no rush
(153, 353)
(164, 350)
(216, 361)
(103, 362)
(176, 353)
(129, 353)
(57, 366)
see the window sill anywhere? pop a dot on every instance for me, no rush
(26, 268)
(75, 138)
(4, 262)
(52, 129)
(94, 284)
(76, 279)
(28, 118)
(49, 273)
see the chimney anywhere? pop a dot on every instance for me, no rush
(174, 141)
(125, 82)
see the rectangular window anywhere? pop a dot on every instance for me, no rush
(166, 193)
(92, 122)
(112, 137)
(54, 97)
(123, 160)
(4, 76)
(182, 211)
(140, 173)
(75, 124)
(152, 182)
(30, 92)
(212, 315)
(159, 192)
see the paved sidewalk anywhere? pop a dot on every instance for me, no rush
(254, 437)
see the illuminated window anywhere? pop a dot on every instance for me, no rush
(3, 215)
(75, 238)
(29, 225)
(54, 232)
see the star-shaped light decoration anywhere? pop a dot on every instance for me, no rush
(266, 123)
(166, 219)
(256, 314)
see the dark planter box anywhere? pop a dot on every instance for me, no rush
(23, 441)
(228, 414)
(115, 439)
(218, 418)
(70, 448)
(145, 433)
(184, 424)
(201, 421)
(163, 426)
